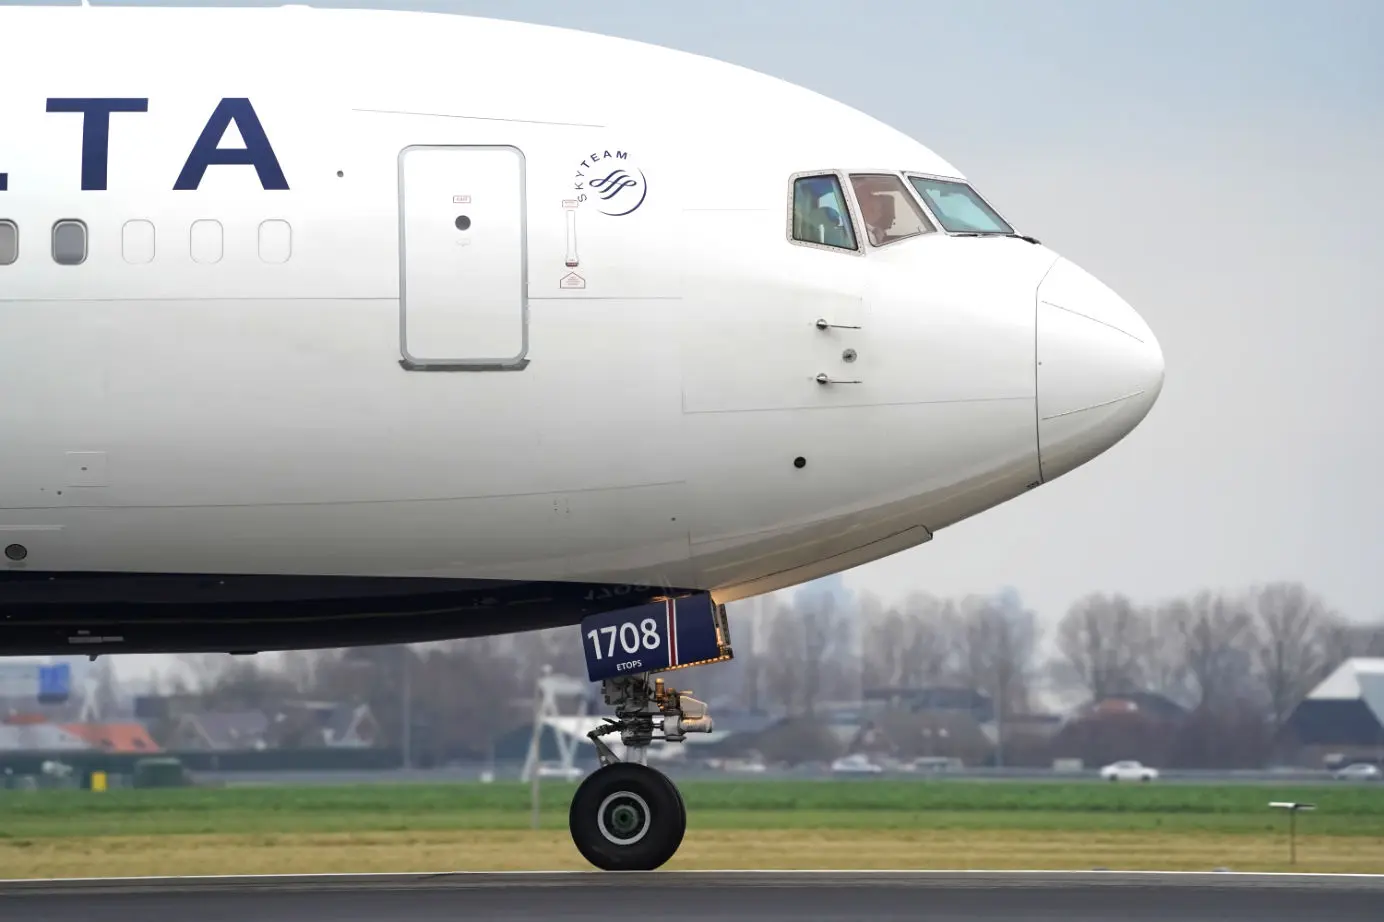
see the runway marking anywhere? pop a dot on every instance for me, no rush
(999, 878)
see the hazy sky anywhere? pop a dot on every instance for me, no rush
(1219, 163)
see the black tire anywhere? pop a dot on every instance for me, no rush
(627, 817)
(682, 807)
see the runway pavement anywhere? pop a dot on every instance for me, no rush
(741, 896)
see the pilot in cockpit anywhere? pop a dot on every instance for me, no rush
(878, 210)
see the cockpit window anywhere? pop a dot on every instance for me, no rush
(958, 207)
(890, 213)
(819, 212)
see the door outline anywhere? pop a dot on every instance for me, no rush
(516, 362)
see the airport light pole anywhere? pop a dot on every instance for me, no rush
(1293, 809)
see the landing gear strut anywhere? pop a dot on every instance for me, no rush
(626, 816)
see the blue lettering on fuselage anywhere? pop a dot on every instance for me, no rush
(96, 132)
(257, 151)
(96, 129)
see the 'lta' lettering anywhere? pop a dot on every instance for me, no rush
(257, 151)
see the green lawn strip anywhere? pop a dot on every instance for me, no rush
(711, 805)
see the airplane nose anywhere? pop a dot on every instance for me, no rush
(1100, 369)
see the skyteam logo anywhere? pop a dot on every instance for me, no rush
(613, 183)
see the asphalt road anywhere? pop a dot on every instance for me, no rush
(718, 895)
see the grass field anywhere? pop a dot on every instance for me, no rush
(756, 824)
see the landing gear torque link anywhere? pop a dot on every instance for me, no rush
(626, 816)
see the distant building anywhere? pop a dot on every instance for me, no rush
(39, 737)
(32, 733)
(906, 735)
(219, 731)
(294, 725)
(338, 724)
(1136, 702)
(1342, 719)
(114, 737)
(1129, 725)
(943, 698)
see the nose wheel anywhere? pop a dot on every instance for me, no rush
(627, 817)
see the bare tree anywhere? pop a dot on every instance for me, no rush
(1164, 663)
(1343, 640)
(784, 667)
(467, 697)
(1372, 640)
(998, 645)
(884, 648)
(820, 635)
(931, 644)
(1217, 635)
(1103, 645)
(240, 683)
(911, 645)
(878, 641)
(1291, 644)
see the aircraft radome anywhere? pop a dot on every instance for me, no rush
(335, 327)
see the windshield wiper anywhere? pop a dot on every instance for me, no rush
(1033, 240)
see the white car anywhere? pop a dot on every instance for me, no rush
(568, 773)
(1128, 771)
(855, 764)
(1360, 771)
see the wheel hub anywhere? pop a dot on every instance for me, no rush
(624, 818)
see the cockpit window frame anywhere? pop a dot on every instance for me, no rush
(956, 180)
(848, 200)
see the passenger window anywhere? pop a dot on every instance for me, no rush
(69, 243)
(206, 241)
(137, 242)
(275, 241)
(890, 213)
(9, 242)
(819, 213)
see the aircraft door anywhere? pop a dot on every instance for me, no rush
(463, 297)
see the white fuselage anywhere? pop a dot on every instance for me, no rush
(310, 364)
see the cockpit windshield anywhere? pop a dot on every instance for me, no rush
(890, 212)
(958, 208)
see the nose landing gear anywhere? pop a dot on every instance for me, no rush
(626, 816)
